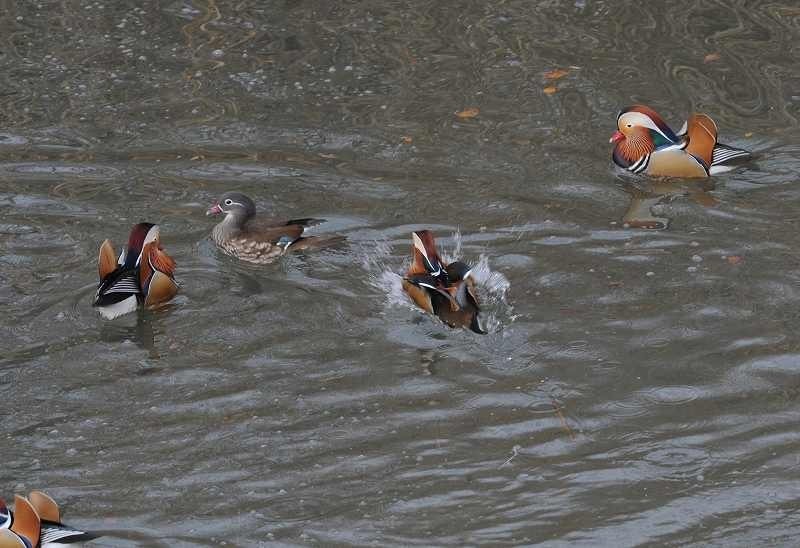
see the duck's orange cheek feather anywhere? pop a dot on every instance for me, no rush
(634, 147)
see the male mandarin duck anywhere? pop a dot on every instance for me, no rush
(36, 523)
(644, 143)
(446, 291)
(241, 235)
(143, 273)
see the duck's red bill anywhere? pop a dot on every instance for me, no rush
(616, 137)
(214, 210)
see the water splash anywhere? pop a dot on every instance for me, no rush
(493, 288)
(382, 277)
(384, 274)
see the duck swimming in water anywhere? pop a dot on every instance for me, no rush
(446, 291)
(644, 143)
(142, 274)
(241, 235)
(36, 522)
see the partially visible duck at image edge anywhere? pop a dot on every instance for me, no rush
(36, 523)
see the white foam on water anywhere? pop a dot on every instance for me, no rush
(381, 277)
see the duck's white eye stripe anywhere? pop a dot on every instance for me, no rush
(639, 119)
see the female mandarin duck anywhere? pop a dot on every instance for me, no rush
(143, 273)
(644, 143)
(241, 235)
(36, 522)
(447, 291)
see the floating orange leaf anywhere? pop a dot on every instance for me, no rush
(550, 90)
(711, 57)
(734, 259)
(555, 74)
(406, 140)
(471, 112)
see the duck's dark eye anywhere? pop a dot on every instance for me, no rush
(228, 201)
(629, 125)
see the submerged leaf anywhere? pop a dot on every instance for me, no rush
(555, 74)
(471, 112)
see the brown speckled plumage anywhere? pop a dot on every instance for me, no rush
(243, 236)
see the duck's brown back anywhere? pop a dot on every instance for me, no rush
(260, 241)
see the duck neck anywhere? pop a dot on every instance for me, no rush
(229, 227)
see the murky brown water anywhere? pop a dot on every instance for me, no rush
(637, 387)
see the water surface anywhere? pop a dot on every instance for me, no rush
(637, 386)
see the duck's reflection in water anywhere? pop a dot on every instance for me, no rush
(645, 196)
(140, 328)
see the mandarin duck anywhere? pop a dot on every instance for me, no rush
(644, 143)
(143, 273)
(258, 241)
(446, 291)
(36, 522)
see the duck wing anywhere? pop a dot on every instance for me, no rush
(45, 506)
(467, 300)
(52, 529)
(426, 291)
(156, 275)
(465, 295)
(701, 134)
(283, 235)
(307, 221)
(119, 285)
(26, 522)
(277, 231)
(57, 534)
(725, 155)
(107, 259)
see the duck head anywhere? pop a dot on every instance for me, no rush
(425, 256)
(141, 235)
(640, 130)
(236, 206)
